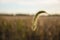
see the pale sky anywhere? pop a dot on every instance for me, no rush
(29, 6)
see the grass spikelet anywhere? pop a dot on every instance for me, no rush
(34, 27)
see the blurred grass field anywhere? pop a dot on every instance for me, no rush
(19, 28)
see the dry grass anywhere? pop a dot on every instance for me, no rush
(19, 28)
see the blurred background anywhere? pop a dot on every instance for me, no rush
(29, 6)
(16, 20)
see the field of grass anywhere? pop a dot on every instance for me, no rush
(19, 28)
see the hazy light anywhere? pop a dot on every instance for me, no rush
(29, 6)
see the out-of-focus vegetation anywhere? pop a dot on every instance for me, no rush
(19, 28)
(55, 15)
(2, 14)
(15, 28)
